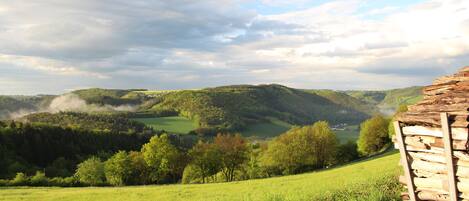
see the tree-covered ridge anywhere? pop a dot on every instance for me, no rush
(112, 122)
(110, 96)
(345, 100)
(389, 99)
(233, 107)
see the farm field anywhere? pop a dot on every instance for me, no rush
(179, 125)
(363, 180)
(267, 129)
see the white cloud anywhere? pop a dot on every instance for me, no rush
(188, 44)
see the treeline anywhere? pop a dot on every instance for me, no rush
(123, 159)
(102, 121)
(228, 157)
(28, 147)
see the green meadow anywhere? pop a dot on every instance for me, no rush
(372, 179)
(176, 124)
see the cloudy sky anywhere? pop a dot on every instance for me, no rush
(51, 46)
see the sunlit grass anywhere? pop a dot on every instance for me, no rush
(372, 179)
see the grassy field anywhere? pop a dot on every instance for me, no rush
(180, 125)
(267, 129)
(373, 179)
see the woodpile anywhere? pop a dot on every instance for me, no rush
(433, 139)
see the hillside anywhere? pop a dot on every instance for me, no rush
(9, 106)
(358, 181)
(89, 121)
(235, 107)
(388, 100)
(110, 96)
(347, 100)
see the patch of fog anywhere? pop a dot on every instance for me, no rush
(387, 110)
(71, 103)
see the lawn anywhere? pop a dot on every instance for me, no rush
(179, 125)
(357, 181)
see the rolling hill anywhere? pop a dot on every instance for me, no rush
(362, 180)
(388, 100)
(235, 107)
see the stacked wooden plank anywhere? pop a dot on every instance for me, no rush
(433, 139)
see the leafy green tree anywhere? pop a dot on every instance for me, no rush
(140, 170)
(206, 159)
(118, 169)
(39, 179)
(234, 151)
(161, 156)
(301, 149)
(20, 179)
(373, 135)
(91, 172)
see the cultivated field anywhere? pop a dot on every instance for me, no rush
(180, 125)
(373, 179)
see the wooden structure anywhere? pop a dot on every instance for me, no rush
(433, 140)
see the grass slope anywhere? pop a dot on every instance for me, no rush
(373, 179)
(179, 125)
(268, 129)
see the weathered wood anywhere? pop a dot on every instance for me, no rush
(460, 158)
(438, 168)
(437, 183)
(453, 192)
(407, 170)
(430, 141)
(432, 119)
(457, 133)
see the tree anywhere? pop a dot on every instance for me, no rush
(234, 153)
(301, 149)
(39, 179)
(140, 170)
(91, 172)
(206, 159)
(162, 157)
(118, 169)
(373, 135)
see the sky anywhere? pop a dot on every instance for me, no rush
(54, 46)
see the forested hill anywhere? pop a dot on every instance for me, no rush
(343, 99)
(110, 96)
(388, 100)
(234, 107)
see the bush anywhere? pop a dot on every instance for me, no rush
(373, 135)
(39, 179)
(347, 152)
(191, 175)
(91, 172)
(118, 169)
(20, 179)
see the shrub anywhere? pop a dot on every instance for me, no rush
(39, 179)
(118, 169)
(191, 175)
(91, 172)
(373, 135)
(20, 180)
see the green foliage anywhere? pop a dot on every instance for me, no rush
(234, 150)
(118, 169)
(91, 172)
(20, 179)
(345, 100)
(191, 175)
(206, 160)
(162, 157)
(235, 107)
(140, 171)
(109, 122)
(109, 96)
(39, 179)
(373, 135)
(347, 152)
(301, 149)
(400, 109)
(369, 180)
